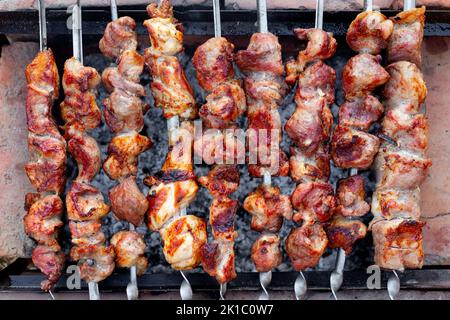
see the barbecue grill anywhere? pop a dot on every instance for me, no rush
(237, 26)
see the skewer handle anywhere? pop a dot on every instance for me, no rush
(223, 291)
(185, 288)
(319, 14)
(217, 22)
(265, 278)
(393, 285)
(262, 16)
(300, 286)
(42, 26)
(114, 14)
(94, 294)
(337, 276)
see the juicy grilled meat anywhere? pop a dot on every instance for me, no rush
(314, 201)
(369, 32)
(123, 151)
(266, 253)
(84, 202)
(315, 167)
(218, 260)
(305, 245)
(343, 233)
(222, 214)
(321, 46)
(316, 81)
(350, 197)
(362, 74)
(86, 152)
(129, 249)
(96, 262)
(394, 203)
(268, 207)
(128, 203)
(50, 260)
(406, 40)
(87, 233)
(119, 36)
(351, 148)
(221, 181)
(42, 75)
(360, 113)
(213, 62)
(183, 239)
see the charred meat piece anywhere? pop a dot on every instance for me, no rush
(86, 152)
(398, 244)
(343, 233)
(360, 113)
(406, 40)
(123, 151)
(350, 197)
(119, 36)
(351, 148)
(362, 74)
(305, 245)
(39, 105)
(268, 207)
(314, 201)
(369, 32)
(222, 180)
(129, 249)
(50, 260)
(315, 167)
(87, 233)
(224, 105)
(84, 202)
(396, 203)
(266, 253)
(128, 203)
(42, 74)
(321, 46)
(96, 262)
(222, 213)
(218, 260)
(183, 240)
(275, 163)
(213, 61)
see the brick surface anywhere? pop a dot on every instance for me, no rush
(13, 150)
(436, 189)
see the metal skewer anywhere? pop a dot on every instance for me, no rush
(393, 284)
(132, 287)
(77, 43)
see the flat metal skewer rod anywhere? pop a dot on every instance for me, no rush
(114, 14)
(262, 16)
(319, 14)
(409, 4)
(217, 22)
(368, 5)
(42, 26)
(185, 288)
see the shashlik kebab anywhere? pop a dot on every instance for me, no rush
(124, 115)
(46, 168)
(225, 103)
(85, 203)
(309, 128)
(174, 187)
(265, 89)
(401, 167)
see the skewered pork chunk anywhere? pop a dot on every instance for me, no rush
(128, 203)
(50, 260)
(305, 245)
(369, 32)
(394, 203)
(129, 249)
(405, 87)
(350, 197)
(213, 63)
(360, 113)
(119, 36)
(268, 207)
(43, 220)
(218, 260)
(224, 105)
(96, 262)
(183, 239)
(79, 106)
(123, 151)
(351, 148)
(343, 233)
(362, 74)
(315, 167)
(86, 152)
(321, 46)
(222, 180)
(42, 75)
(222, 213)
(314, 201)
(84, 202)
(266, 253)
(398, 243)
(406, 40)
(87, 233)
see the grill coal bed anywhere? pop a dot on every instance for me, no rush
(237, 26)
